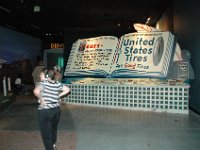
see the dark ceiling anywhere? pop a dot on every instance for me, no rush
(55, 16)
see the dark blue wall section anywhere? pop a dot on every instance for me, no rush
(187, 27)
(16, 46)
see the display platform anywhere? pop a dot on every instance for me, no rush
(144, 70)
(135, 94)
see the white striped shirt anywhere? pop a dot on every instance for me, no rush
(50, 91)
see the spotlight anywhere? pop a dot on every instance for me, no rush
(36, 8)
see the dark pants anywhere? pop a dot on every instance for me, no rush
(20, 89)
(48, 123)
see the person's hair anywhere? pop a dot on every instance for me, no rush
(48, 73)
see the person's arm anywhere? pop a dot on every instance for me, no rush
(33, 75)
(37, 93)
(65, 90)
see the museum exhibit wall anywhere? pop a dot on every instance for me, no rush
(15, 45)
(186, 26)
(20, 52)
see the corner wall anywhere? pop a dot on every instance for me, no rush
(187, 27)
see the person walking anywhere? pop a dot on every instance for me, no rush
(49, 92)
(36, 72)
(58, 75)
(19, 86)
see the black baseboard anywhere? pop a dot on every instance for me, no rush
(194, 110)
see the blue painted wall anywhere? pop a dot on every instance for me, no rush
(187, 27)
(16, 46)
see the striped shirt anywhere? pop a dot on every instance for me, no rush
(50, 91)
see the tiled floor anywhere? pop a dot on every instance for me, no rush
(93, 128)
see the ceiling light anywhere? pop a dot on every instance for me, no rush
(34, 26)
(5, 9)
(36, 8)
(48, 34)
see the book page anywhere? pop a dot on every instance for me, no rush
(91, 57)
(143, 54)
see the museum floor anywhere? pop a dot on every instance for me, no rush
(92, 128)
